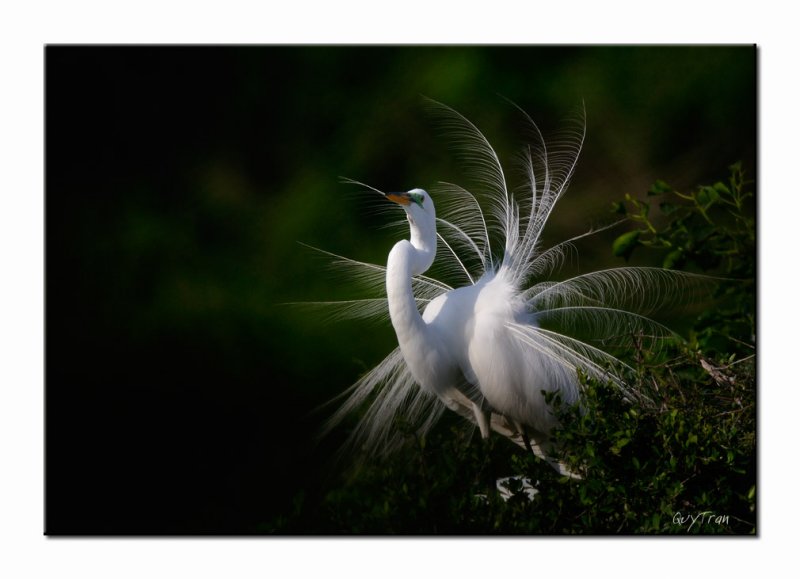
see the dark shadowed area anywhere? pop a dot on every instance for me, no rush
(180, 387)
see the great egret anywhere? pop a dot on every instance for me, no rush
(490, 349)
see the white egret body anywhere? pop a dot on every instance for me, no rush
(462, 345)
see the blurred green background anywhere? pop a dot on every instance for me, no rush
(180, 388)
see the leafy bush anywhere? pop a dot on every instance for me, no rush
(683, 464)
(710, 229)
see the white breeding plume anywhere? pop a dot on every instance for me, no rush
(490, 349)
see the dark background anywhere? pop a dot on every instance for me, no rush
(179, 387)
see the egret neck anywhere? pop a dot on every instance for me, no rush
(407, 259)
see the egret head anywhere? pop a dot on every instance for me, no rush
(419, 208)
(421, 215)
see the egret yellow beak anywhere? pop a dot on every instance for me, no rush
(400, 198)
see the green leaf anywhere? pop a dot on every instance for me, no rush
(667, 207)
(624, 245)
(673, 258)
(619, 208)
(722, 188)
(658, 188)
(619, 444)
(707, 195)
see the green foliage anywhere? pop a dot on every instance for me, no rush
(647, 469)
(710, 227)
(684, 463)
(712, 230)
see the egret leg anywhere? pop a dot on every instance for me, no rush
(527, 441)
(483, 417)
(491, 481)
